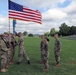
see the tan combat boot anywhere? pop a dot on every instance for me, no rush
(57, 65)
(3, 70)
(45, 70)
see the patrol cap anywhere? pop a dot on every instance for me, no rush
(56, 34)
(5, 32)
(41, 35)
(19, 33)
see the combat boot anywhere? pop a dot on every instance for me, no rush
(57, 65)
(45, 70)
(18, 63)
(10, 63)
(3, 70)
(28, 62)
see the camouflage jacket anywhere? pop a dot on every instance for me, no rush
(21, 42)
(3, 47)
(57, 45)
(44, 47)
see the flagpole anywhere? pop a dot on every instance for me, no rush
(8, 18)
(9, 24)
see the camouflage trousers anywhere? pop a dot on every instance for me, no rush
(9, 57)
(12, 54)
(22, 53)
(3, 62)
(57, 57)
(44, 59)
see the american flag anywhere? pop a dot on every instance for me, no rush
(20, 12)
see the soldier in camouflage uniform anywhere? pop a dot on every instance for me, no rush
(42, 47)
(57, 49)
(12, 42)
(4, 54)
(22, 51)
(7, 38)
(45, 52)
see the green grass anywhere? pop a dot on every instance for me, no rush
(32, 45)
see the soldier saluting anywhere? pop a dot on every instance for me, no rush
(22, 52)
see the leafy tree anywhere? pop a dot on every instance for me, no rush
(52, 32)
(25, 33)
(64, 29)
(46, 34)
(30, 35)
(73, 30)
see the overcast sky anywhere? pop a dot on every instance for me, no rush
(54, 13)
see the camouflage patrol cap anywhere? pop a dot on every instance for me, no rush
(19, 33)
(6, 34)
(56, 34)
(41, 35)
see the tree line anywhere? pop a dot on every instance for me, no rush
(64, 30)
(25, 33)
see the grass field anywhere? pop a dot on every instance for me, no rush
(68, 59)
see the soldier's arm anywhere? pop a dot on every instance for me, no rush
(59, 44)
(3, 46)
(5, 49)
(42, 45)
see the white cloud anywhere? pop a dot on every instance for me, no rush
(39, 3)
(3, 24)
(54, 14)
(71, 8)
(3, 20)
(71, 20)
